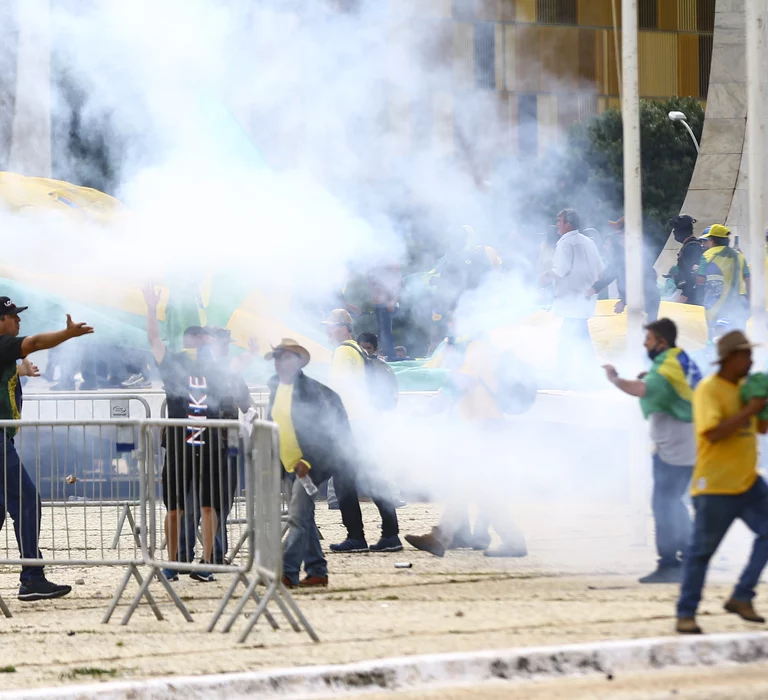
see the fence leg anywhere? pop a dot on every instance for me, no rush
(228, 596)
(238, 546)
(148, 595)
(118, 594)
(282, 591)
(254, 618)
(4, 608)
(120, 525)
(172, 595)
(242, 602)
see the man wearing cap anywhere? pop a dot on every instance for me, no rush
(195, 456)
(315, 441)
(665, 394)
(18, 493)
(617, 270)
(726, 484)
(348, 378)
(688, 257)
(723, 278)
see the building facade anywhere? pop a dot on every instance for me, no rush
(553, 62)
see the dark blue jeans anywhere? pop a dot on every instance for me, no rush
(714, 515)
(18, 495)
(670, 515)
(302, 544)
(384, 326)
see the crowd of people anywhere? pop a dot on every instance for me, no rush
(704, 429)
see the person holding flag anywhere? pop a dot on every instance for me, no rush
(665, 394)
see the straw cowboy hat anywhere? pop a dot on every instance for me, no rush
(289, 345)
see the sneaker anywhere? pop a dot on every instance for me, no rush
(744, 609)
(687, 625)
(426, 543)
(664, 574)
(202, 576)
(507, 551)
(314, 582)
(42, 589)
(400, 503)
(171, 574)
(350, 546)
(387, 544)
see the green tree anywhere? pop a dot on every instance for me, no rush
(593, 171)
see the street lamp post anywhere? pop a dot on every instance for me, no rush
(680, 117)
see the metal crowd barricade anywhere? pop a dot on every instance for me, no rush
(97, 405)
(78, 532)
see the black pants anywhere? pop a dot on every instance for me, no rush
(349, 505)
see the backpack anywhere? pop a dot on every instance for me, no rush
(517, 385)
(381, 380)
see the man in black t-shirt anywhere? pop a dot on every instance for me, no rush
(18, 493)
(195, 456)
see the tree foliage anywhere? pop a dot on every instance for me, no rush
(592, 167)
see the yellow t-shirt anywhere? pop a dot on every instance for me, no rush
(347, 378)
(728, 466)
(481, 363)
(290, 451)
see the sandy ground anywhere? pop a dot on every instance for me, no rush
(578, 584)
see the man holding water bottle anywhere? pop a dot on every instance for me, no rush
(315, 444)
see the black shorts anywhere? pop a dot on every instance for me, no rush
(188, 470)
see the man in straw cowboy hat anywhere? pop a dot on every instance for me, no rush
(725, 484)
(315, 442)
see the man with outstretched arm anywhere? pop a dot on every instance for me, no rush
(18, 493)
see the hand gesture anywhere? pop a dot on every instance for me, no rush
(75, 330)
(301, 469)
(151, 296)
(611, 373)
(620, 306)
(757, 404)
(27, 369)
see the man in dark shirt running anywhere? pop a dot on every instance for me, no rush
(18, 493)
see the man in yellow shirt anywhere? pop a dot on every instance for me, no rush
(315, 443)
(348, 377)
(725, 484)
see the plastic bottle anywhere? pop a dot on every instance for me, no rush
(308, 485)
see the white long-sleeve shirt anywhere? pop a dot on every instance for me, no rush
(577, 266)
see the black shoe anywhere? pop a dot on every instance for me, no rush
(350, 546)
(664, 574)
(42, 590)
(387, 544)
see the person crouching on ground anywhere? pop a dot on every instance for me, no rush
(726, 484)
(665, 394)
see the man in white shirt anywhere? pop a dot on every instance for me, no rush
(576, 266)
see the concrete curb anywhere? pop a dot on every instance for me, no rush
(418, 672)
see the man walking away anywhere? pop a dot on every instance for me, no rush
(688, 258)
(349, 379)
(723, 278)
(18, 493)
(726, 484)
(576, 267)
(617, 270)
(665, 395)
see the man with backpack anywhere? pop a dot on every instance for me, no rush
(688, 258)
(352, 376)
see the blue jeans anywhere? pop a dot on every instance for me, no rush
(384, 326)
(303, 541)
(714, 515)
(670, 515)
(18, 495)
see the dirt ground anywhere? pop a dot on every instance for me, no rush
(578, 584)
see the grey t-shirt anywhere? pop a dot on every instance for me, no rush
(674, 440)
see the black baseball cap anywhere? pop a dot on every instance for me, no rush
(197, 331)
(682, 222)
(8, 308)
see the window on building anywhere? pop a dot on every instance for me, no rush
(705, 63)
(648, 14)
(556, 11)
(485, 55)
(705, 15)
(527, 125)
